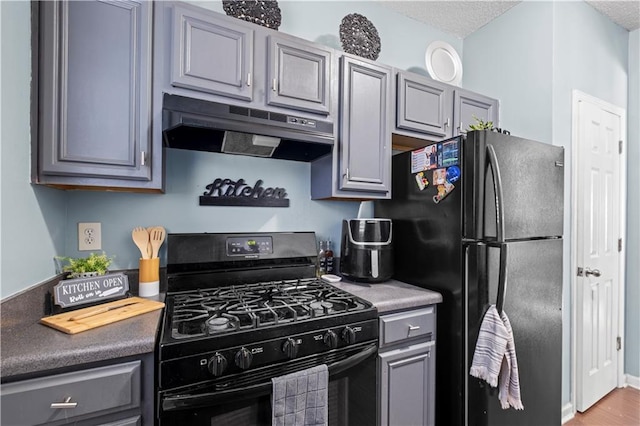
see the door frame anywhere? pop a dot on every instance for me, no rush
(578, 96)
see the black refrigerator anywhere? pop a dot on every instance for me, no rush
(479, 218)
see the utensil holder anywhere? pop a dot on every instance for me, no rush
(149, 277)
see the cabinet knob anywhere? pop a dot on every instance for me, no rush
(66, 404)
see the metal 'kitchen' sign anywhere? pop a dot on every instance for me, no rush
(227, 192)
(79, 291)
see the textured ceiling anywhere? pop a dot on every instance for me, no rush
(461, 18)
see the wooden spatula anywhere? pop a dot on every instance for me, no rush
(141, 238)
(156, 237)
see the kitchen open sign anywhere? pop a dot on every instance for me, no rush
(227, 192)
(79, 291)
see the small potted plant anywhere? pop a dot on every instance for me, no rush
(83, 267)
(481, 124)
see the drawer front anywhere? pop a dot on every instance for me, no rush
(95, 391)
(417, 323)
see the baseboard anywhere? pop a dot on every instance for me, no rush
(632, 381)
(568, 412)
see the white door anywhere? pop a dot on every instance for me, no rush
(597, 253)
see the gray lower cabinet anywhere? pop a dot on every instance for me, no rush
(406, 363)
(225, 56)
(360, 167)
(109, 395)
(94, 96)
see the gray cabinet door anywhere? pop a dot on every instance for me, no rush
(467, 105)
(73, 396)
(211, 54)
(299, 75)
(407, 385)
(424, 105)
(365, 136)
(95, 90)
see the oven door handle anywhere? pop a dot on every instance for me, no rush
(186, 401)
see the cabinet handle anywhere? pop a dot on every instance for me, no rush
(274, 85)
(249, 79)
(143, 158)
(66, 404)
(447, 123)
(346, 174)
(413, 328)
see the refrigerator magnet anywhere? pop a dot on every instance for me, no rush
(443, 191)
(453, 174)
(419, 160)
(422, 181)
(449, 153)
(439, 176)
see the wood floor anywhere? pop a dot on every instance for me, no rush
(620, 408)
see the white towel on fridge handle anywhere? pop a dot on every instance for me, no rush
(494, 358)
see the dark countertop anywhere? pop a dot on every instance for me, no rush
(390, 296)
(30, 348)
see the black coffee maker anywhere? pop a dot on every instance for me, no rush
(366, 252)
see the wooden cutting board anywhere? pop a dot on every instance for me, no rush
(96, 316)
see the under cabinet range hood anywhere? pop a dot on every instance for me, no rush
(199, 125)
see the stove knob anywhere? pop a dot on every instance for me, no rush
(349, 335)
(331, 339)
(244, 358)
(217, 364)
(290, 347)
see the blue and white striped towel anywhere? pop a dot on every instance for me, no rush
(494, 359)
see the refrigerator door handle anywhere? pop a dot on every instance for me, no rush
(497, 190)
(502, 278)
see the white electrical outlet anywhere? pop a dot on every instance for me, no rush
(89, 236)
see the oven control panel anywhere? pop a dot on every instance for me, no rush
(232, 361)
(243, 246)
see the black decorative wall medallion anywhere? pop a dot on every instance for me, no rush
(227, 192)
(359, 36)
(265, 12)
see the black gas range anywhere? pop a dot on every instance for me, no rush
(244, 308)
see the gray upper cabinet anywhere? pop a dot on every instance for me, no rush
(228, 60)
(94, 97)
(424, 105)
(365, 134)
(467, 105)
(299, 75)
(211, 55)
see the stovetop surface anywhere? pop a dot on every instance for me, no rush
(212, 312)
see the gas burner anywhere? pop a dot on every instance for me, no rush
(222, 310)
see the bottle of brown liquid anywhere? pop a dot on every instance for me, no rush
(321, 268)
(328, 255)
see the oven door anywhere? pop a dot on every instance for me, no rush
(352, 393)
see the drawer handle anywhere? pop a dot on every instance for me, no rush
(413, 328)
(66, 404)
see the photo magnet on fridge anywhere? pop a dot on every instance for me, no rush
(422, 181)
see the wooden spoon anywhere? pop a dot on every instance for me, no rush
(157, 238)
(141, 238)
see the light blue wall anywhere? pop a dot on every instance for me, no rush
(33, 219)
(511, 60)
(188, 172)
(632, 310)
(531, 58)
